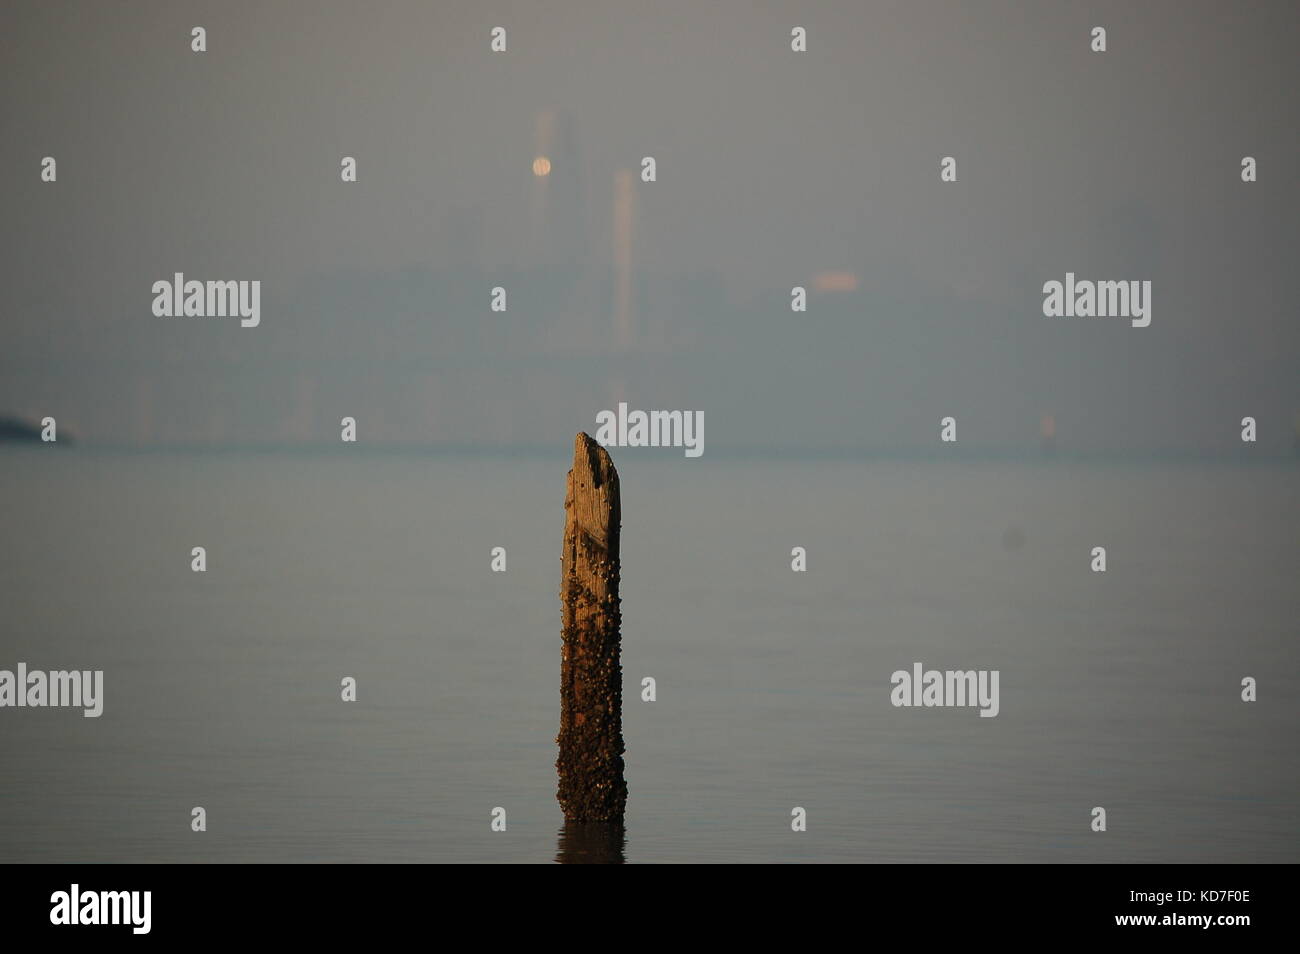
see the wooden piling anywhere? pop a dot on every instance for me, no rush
(590, 763)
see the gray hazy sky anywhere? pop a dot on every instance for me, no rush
(772, 166)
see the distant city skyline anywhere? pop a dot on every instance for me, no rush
(775, 169)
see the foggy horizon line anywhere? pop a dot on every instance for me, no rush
(1029, 453)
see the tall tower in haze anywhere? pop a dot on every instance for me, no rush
(624, 213)
(559, 216)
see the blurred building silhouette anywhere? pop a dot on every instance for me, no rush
(559, 215)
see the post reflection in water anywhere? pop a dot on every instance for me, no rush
(591, 843)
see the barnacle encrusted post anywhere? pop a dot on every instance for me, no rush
(590, 763)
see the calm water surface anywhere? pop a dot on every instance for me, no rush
(222, 689)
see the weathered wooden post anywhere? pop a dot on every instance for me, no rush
(590, 763)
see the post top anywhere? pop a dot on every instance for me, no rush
(589, 458)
